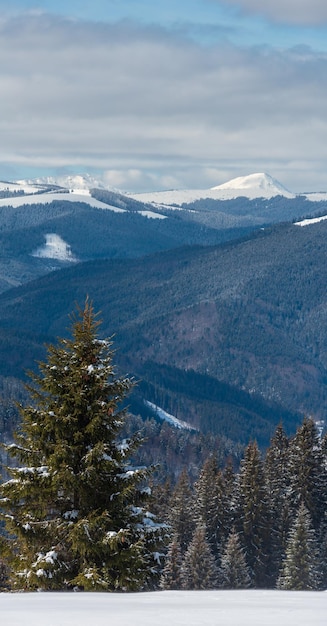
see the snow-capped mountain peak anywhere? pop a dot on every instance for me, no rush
(252, 186)
(77, 181)
(259, 182)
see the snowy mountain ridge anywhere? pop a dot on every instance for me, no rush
(75, 181)
(257, 185)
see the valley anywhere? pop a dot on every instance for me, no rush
(217, 307)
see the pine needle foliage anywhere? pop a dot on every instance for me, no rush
(254, 521)
(300, 569)
(199, 568)
(74, 506)
(181, 516)
(171, 573)
(233, 570)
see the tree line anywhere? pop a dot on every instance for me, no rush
(264, 526)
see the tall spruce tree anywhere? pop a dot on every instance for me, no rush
(229, 501)
(171, 573)
(300, 568)
(208, 512)
(181, 516)
(308, 473)
(254, 521)
(199, 568)
(277, 474)
(74, 507)
(234, 570)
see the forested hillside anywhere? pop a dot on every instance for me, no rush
(250, 314)
(91, 233)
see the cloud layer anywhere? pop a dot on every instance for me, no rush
(304, 12)
(155, 110)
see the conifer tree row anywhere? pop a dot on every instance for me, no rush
(265, 526)
(74, 507)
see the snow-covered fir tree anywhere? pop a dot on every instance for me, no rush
(181, 512)
(199, 568)
(208, 512)
(322, 546)
(74, 507)
(254, 523)
(234, 571)
(308, 473)
(277, 474)
(300, 569)
(171, 574)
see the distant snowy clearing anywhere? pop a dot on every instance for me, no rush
(311, 220)
(162, 608)
(47, 198)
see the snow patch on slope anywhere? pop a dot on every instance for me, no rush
(316, 196)
(47, 197)
(20, 186)
(167, 417)
(55, 248)
(153, 215)
(312, 220)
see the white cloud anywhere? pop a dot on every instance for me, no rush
(139, 180)
(152, 109)
(301, 12)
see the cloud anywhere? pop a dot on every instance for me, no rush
(154, 109)
(300, 12)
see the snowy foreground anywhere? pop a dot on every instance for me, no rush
(166, 608)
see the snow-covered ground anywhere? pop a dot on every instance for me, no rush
(46, 198)
(55, 248)
(166, 608)
(311, 220)
(153, 215)
(167, 417)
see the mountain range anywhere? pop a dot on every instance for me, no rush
(216, 297)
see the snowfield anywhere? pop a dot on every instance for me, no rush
(166, 608)
(47, 198)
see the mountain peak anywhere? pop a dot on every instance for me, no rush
(255, 183)
(253, 186)
(74, 181)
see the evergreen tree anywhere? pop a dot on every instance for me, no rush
(4, 575)
(181, 512)
(322, 544)
(277, 476)
(208, 512)
(171, 573)
(199, 569)
(308, 474)
(234, 570)
(254, 517)
(300, 569)
(229, 501)
(74, 507)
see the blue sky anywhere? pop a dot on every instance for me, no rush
(165, 94)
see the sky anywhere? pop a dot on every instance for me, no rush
(164, 95)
